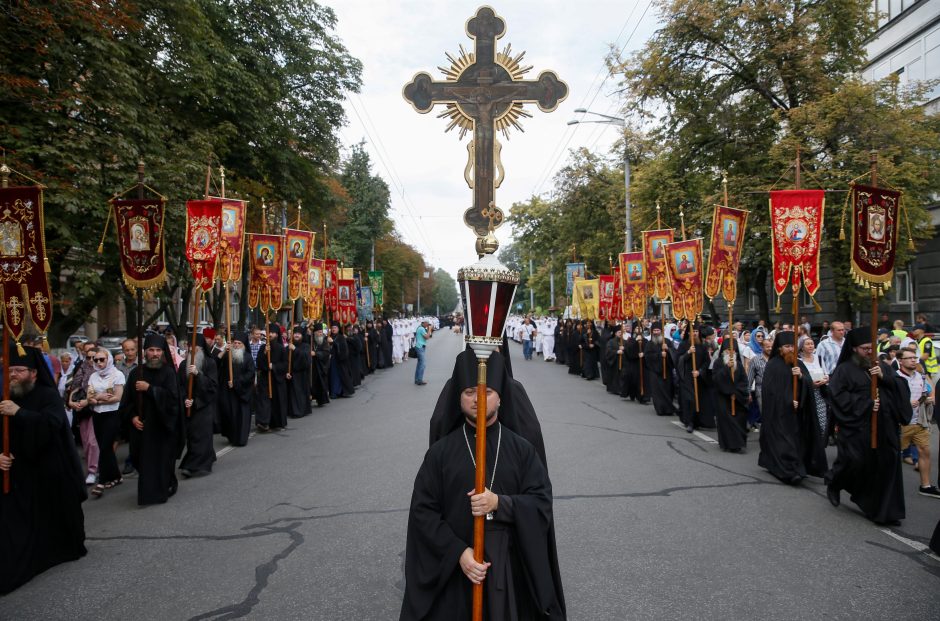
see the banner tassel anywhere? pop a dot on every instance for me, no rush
(105, 233)
(45, 343)
(845, 206)
(19, 349)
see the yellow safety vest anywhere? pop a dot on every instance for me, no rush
(930, 364)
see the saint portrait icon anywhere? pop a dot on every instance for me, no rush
(265, 256)
(201, 238)
(297, 250)
(659, 249)
(228, 220)
(796, 231)
(313, 277)
(876, 226)
(608, 289)
(729, 236)
(587, 293)
(636, 272)
(344, 293)
(684, 263)
(140, 240)
(11, 240)
(328, 277)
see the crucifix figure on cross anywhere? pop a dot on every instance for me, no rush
(484, 92)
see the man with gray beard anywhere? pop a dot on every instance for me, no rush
(320, 369)
(153, 406)
(200, 454)
(656, 354)
(235, 391)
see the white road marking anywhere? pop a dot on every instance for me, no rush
(231, 447)
(697, 434)
(914, 544)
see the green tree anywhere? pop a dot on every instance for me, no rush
(444, 294)
(367, 212)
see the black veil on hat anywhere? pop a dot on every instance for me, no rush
(515, 410)
(781, 339)
(32, 358)
(156, 340)
(854, 338)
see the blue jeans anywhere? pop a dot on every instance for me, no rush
(419, 370)
(527, 349)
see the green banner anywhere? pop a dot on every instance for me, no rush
(377, 281)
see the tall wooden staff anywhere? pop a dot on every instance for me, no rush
(267, 341)
(228, 310)
(734, 360)
(5, 183)
(325, 308)
(196, 309)
(691, 328)
(796, 296)
(293, 307)
(479, 483)
(662, 306)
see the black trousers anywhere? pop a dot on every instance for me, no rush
(107, 425)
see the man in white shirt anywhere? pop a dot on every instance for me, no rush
(918, 432)
(829, 349)
(526, 332)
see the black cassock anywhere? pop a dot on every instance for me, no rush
(357, 359)
(615, 364)
(387, 335)
(519, 584)
(730, 387)
(320, 373)
(41, 519)
(660, 390)
(790, 446)
(630, 386)
(235, 402)
(704, 417)
(200, 452)
(873, 477)
(601, 343)
(161, 442)
(372, 347)
(590, 345)
(561, 349)
(341, 384)
(298, 386)
(573, 348)
(272, 407)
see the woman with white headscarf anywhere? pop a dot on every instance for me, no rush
(105, 387)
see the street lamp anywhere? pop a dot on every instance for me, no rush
(617, 121)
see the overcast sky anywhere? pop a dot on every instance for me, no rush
(424, 166)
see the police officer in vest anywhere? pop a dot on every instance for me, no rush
(928, 354)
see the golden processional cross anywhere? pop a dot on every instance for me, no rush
(484, 92)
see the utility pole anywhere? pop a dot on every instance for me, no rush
(531, 290)
(551, 280)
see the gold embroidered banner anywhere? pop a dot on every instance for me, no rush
(633, 278)
(728, 226)
(232, 241)
(141, 243)
(265, 288)
(657, 275)
(313, 296)
(25, 286)
(299, 244)
(684, 259)
(875, 223)
(796, 220)
(203, 228)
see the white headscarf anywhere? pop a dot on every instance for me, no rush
(107, 373)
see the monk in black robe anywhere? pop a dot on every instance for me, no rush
(298, 376)
(387, 335)
(341, 384)
(272, 382)
(703, 416)
(632, 358)
(357, 356)
(730, 385)
(655, 354)
(786, 451)
(235, 392)
(520, 574)
(200, 452)
(561, 349)
(873, 477)
(613, 360)
(606, 332)
(159, 428)
(591, 349)
(320, 370)
(371, 338)
(41, 519)
(573, 344)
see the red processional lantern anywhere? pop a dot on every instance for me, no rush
(487, 289)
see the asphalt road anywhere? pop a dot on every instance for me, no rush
(651, 522)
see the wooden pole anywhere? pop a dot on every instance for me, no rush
(694, 365)
(290, 336)
(733, 359)
(228, 316)
(642, 361)
(267, 350)
(5, 183)
(873, 163)
(192, 347)
(662, 323)
(140, 308)
(479, 520)
(796, 357)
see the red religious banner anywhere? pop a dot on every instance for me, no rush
(299, 245)
(346, 300)
(232, 240)
(634, 291)
(616, 306)
(684, 260)
(330, 278)
(141, 244)
(606, 287)
(654, 247)
(728, 226)
(25, 286)
(796, 220)
(267, 261)
(203, 227)
(875, 220)
(313, 296)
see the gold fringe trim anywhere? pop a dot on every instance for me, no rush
(19, 349)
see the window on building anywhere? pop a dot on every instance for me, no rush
(902, 288)
(805, 300)
(752, 301)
